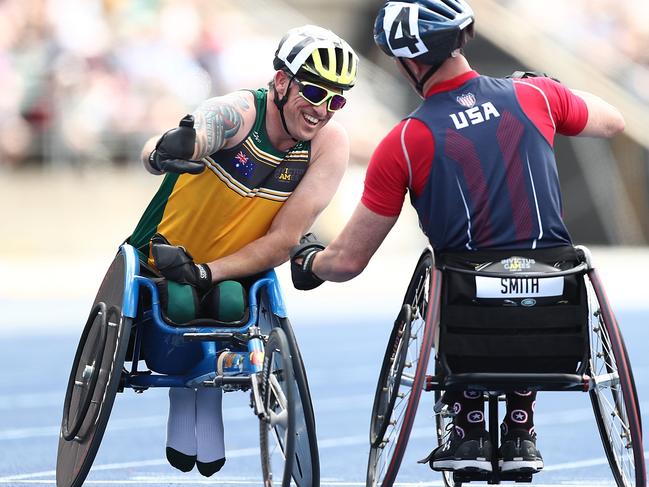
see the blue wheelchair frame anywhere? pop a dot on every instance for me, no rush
(259, 353)
(213, 338)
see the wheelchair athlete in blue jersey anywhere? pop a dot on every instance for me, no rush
(477, 160)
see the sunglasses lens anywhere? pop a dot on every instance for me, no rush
(314, 94)
(337, 102)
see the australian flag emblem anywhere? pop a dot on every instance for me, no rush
(243, 164)
(466, 100)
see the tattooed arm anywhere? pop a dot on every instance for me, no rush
(222, 122)
(219, 122)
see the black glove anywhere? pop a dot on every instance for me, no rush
(531, 74)
(301, 274)
(176, 264)
(174, 150)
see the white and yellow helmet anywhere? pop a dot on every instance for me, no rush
(317, 54)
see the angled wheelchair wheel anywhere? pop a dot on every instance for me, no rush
(306, 469)
(387, 389)
(402, 377)
(277, 426)
(613, 396)
(94, 380)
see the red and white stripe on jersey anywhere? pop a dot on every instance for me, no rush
(402, 160)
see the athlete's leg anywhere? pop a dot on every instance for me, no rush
(210, 441)
(468, 445)
(181, 428)
(518, 447)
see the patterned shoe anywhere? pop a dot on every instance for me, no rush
(460, 452)
(518, 452)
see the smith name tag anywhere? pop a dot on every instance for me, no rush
(518, 287)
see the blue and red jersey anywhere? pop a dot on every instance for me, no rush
(477, 158)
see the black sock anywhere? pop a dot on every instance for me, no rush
(468, 407)
(210, 468)
(520, 411)
(179, 460)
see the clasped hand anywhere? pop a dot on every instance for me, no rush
(176, 264)
(302, 256)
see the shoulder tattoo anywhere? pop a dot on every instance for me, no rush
(216, 121)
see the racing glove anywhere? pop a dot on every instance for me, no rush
(301, 273)
(176, 264)
(173, 151)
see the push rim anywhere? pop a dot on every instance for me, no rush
(608, 398)
(83, 378)
(385, 459)
(278, 421)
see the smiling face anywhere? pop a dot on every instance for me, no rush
(303, 119)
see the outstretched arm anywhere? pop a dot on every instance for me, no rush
(219, 122)
(604, 120)
(350, 252)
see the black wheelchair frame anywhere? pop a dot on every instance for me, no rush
(121, 322)
(604, 372)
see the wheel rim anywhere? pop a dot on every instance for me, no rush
(278, 423)
(392, 372)
(387, 452)
(608, 401)
(306, 467)
(83, 379)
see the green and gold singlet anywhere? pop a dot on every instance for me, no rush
(232, 202)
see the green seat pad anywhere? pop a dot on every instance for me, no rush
(182, 302)
(225, 302)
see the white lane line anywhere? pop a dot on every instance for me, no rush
(30, 401)
(323, 444)
(229, 414)
(55, 399)
(255, 483)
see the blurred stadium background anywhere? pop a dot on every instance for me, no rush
(84, 82)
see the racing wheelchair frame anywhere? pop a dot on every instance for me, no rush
(603, 370)
(258, 354)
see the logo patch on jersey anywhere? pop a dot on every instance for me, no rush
(289, 174)
(515, 264)
(474, 115)
(243, 164)
(466, 100)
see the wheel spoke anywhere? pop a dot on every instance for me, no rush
(400, 380)
(609, 400)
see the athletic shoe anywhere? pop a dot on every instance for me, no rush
(471, 452)
(518, 453)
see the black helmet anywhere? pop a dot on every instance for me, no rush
(425, 30)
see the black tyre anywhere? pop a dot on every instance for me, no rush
(277, 425)
(94, 380)
(387, 389)
(613, 397)
(404, 383)
(306, 469)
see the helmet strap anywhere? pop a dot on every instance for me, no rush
(420, 82)
(279, 103)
